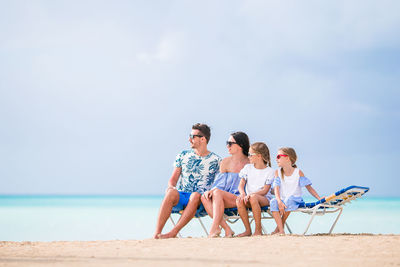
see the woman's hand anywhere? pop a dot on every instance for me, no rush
(241, 197)
(281, 207)
(208, 195)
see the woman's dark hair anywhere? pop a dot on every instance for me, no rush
(243, 141)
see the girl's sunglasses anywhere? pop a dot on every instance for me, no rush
(229, 143)
(281, 155)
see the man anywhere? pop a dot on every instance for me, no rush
(193, 174)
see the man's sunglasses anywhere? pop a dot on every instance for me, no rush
(229, 143)
(192, 136)
(281, 155)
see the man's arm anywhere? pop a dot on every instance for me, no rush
(174, 178)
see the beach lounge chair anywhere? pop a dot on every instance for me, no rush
(232, 216)
(201, 212)
(331, 204)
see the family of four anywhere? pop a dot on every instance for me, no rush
(243, 180)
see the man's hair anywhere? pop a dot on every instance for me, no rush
(204, 129)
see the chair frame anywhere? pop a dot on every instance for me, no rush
(331, 204)
(198, 217)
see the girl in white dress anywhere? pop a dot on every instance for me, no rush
(287, 187)
(254, 187)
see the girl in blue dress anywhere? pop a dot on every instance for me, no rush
(224, 191)
(287, 187)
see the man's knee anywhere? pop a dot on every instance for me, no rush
(172, 195)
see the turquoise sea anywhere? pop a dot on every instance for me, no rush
(49, 218)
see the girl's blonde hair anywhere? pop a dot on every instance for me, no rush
(262, 149)
(292, 156)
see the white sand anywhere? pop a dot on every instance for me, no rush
(320, 250)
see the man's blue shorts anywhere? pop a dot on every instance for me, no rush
(183, 200)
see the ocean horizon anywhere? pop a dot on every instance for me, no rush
(128, 217)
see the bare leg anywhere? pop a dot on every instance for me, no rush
(256, 201)
(187, 215)
(207, 203)
(208, 206)
(284, 217)
(221, 200)
(278, 221)
(171, 199)
(244, 216)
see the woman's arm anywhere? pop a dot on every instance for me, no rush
(313, 192)
(223, 167)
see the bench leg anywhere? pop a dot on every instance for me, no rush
(202, 225)
(312, 217)
(287, 226)
(337, 218)
(172, 220)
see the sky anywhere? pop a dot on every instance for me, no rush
(98, 97)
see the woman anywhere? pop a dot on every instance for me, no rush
(224, 191)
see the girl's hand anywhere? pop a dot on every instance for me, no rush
(241, 197)
(246, 199)
(208, 195)
(282, 207)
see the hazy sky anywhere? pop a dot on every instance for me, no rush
(98, 97)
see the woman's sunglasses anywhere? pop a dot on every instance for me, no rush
(281, 155)
(229, 143)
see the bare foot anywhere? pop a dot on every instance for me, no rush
(277, 232)
(244, 234)
(257, 233)
(167, 235)
(229, 234)
(215, 232)
(213, 235)
(156, 236)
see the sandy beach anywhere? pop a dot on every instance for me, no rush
(334, 250)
